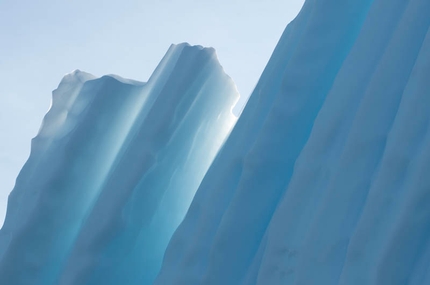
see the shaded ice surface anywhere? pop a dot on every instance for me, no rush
(113, 170)
(323, 180)
(325, 177)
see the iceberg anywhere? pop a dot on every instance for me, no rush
(323, 176)
(322, 180)
(113, 170)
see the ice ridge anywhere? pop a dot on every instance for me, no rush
(112, 172)
(322, 178)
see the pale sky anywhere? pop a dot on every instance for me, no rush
(42, 40)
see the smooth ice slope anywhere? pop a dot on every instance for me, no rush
(112, 172)
(324, 178)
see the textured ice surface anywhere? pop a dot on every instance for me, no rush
(112, 172)
(324, 178)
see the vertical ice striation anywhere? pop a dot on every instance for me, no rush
(323, 178)
(113, 170)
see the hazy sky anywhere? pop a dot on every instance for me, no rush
(42, 40)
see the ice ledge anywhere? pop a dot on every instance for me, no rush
(82, 76)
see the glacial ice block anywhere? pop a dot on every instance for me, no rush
(323, 178)
(112, 172)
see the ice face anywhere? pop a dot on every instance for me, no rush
(323, 175)
(323, 180)
(113, 171)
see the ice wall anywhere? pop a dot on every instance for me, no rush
(113, 171)
(323, 179)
